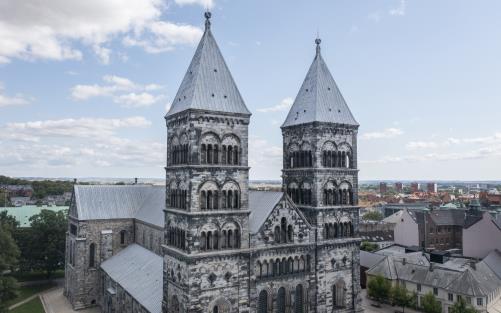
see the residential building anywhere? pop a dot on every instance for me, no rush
(383, 188)
(432, 187)
(398, 187)
(479, 283)
(481, 235)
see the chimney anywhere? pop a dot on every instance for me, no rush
(135, 181)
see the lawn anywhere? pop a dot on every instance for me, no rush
(28, 291)
(33, 306)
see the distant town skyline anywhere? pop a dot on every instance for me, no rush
(83, 93)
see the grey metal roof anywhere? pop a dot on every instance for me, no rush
(493, 261)
(479, 280)
(369, 259)
(448, 217)
(140, 272)
(319, 99)
(208, 83)
(144, 202)
(261, 203)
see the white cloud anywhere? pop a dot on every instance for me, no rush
(77, 128)
(164, 36)
(137, 100)
(400, 10)
(284, 105)
(207, 4)
(51, 29)
(422, 145)
(11, 100)
(387, 133)
(121, 89)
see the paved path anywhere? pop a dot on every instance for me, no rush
(55, 302)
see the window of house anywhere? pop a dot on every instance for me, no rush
(122, 237)
(451, 297)
(92, 255)
(480, 301)
(418, 287)
(435, 291)
(459, 298)
(73, 229)
(468, 300)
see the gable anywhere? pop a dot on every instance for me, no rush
(282, 216)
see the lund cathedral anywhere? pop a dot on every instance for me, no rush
(205, 243)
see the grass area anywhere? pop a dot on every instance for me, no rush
(37, 275)
(33, 306)
(28, 291)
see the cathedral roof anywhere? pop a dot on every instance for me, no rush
(208, 84)
(140, 272)
(319, 99)
(261, 203)
(96, 202)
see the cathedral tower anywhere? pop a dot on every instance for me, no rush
(320, 175)
(207, 212)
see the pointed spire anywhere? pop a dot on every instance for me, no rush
(208, 84)
(319, 99)
(207, 15)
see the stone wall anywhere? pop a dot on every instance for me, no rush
(82, 281)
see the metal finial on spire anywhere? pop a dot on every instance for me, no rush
(207, 15)
(318, 41)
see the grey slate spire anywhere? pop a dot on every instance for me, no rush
(208, 84)
(319, 99)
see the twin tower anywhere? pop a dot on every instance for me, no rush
(213, 252)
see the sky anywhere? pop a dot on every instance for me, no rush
(85, 85)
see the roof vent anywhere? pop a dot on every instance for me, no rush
(225, 96)
(212, 95)
(328, 88)
(339, 111)
(306, 89)
(215, 70)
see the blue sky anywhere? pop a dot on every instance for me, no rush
(84, 85)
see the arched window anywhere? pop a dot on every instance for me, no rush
(298, 299)
(281, 304)
(209, 196)
(263, 302)
(174, 305)
(203, 241)
(330, 194)
(329, 154)
(230, 195)
(209, 153)
(276, 235)
(92, 255)
(305, 193)
(231, 150)
(283, 230)
(290, 233)
(293, 192)
(338, 294)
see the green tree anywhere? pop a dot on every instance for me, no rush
(9, 254)
(46, 241)
(372, 216)
(462, 307)
(401, 296)
(378, 288)
(368, 246)
(430, 304)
